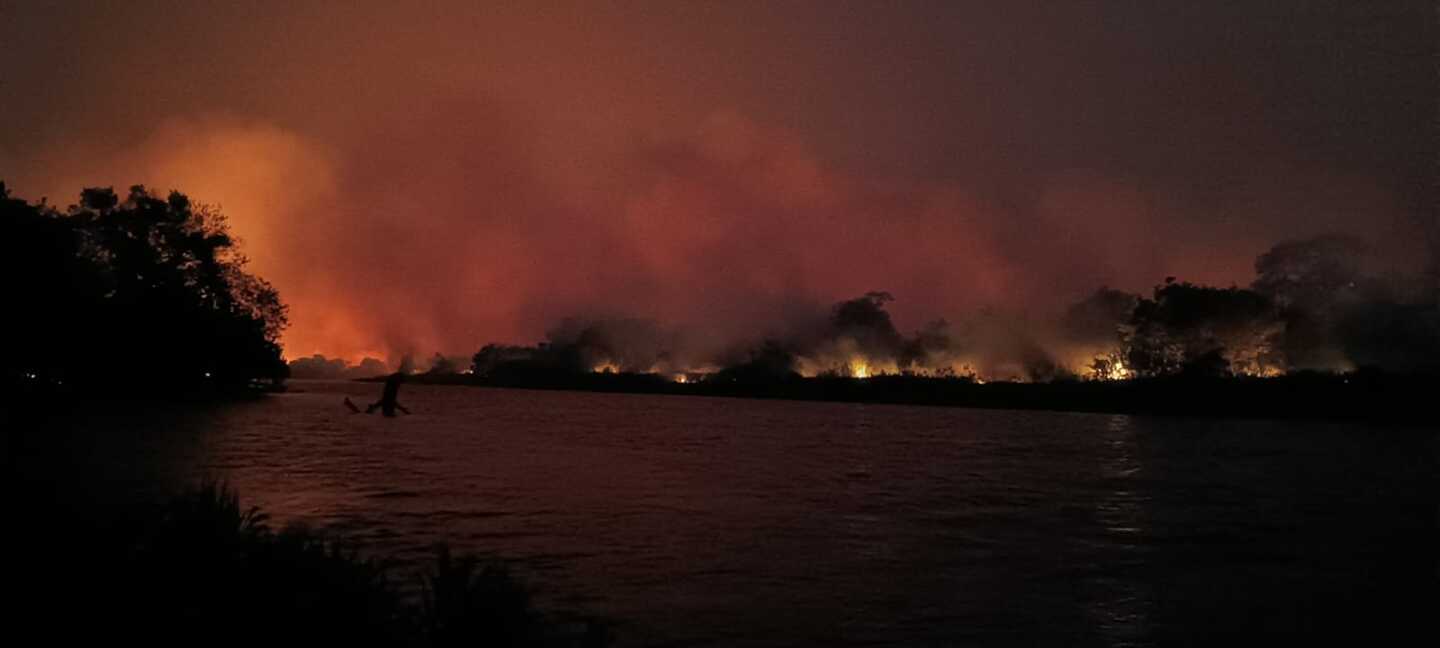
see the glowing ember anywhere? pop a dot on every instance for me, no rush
(606, 367)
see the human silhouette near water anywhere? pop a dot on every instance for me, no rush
(388, 403)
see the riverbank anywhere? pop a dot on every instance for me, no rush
(201, 567)
(1359, 396)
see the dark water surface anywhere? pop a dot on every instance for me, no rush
(708, 521)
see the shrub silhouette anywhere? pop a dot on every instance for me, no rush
(464, 599)
(201, 569)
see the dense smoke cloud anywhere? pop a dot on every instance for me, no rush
(1342, 308)
(420, 182)
(1316, 304)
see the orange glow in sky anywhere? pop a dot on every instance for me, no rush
(422, 181)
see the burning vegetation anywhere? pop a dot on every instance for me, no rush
(1314, 306)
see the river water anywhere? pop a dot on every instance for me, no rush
(709, 521)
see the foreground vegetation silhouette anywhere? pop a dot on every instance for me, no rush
(201, 569)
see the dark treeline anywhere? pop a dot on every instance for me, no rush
(1363, 395)
(150, 293)
(1315, 305)
(133, 293)
(319, 367)
(1319, 333)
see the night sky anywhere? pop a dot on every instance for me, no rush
(430, 176)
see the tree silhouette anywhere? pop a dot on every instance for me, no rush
(1311, 273)
(146, 287)
(1193, 329)
(865, 321)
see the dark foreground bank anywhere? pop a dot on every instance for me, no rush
(200, 568)
(1358, 396)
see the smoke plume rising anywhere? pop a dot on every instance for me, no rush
(421, 181)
